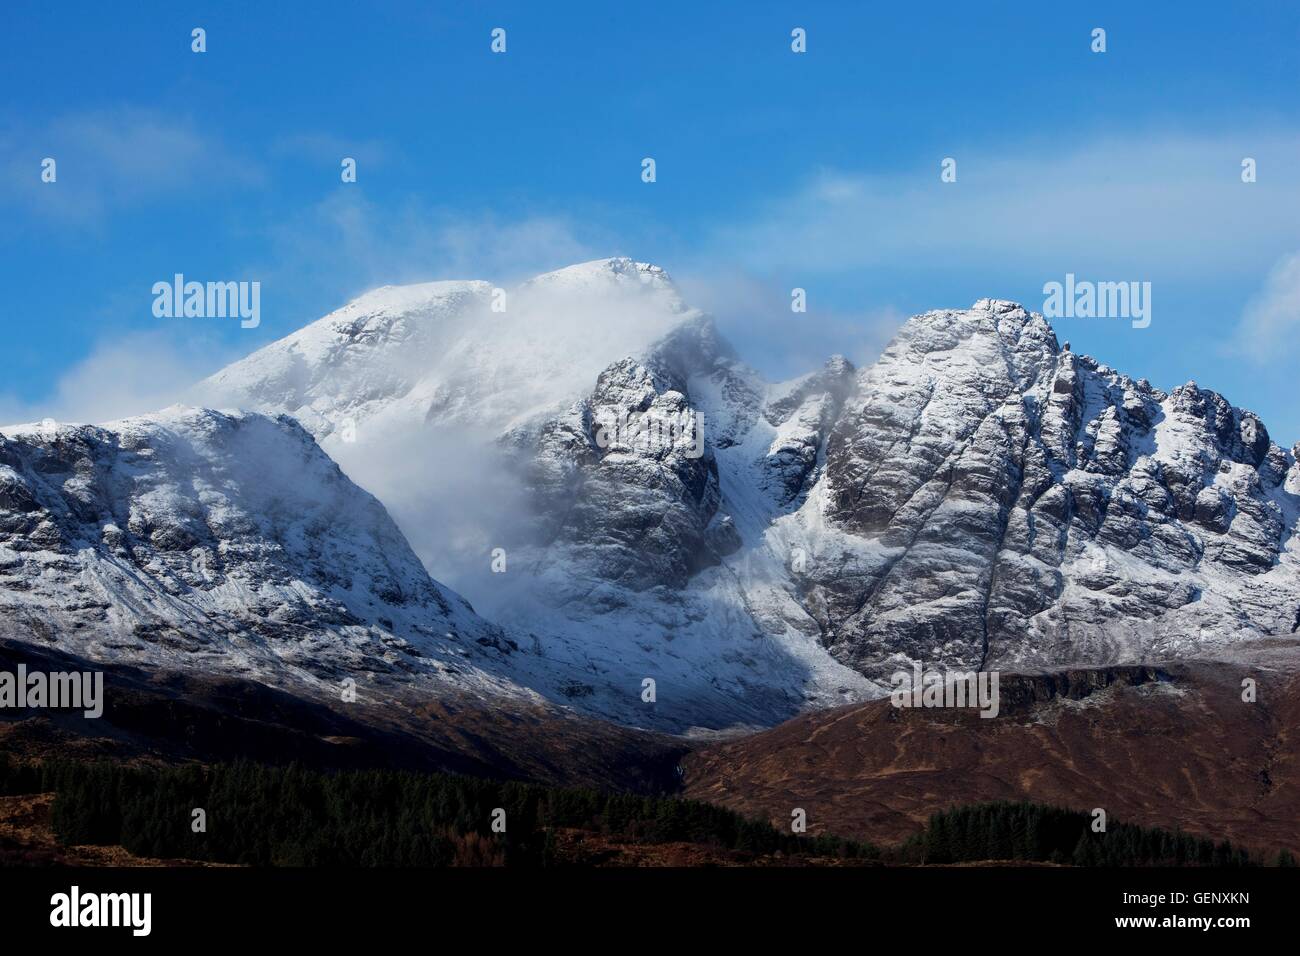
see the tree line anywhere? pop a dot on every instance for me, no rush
(1032, 832)
(262, 815)
(291, 816)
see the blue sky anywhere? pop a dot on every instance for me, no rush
(775, 170)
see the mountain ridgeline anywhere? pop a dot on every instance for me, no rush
(979, 496)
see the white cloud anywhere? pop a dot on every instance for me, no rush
(449, 491)
(123, 377)
(1270, 324)
(331, 149)
(1125, 204)
(112, 158)
(346, 245)
(755, 315)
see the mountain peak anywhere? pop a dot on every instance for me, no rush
(838, 366)
(997, 306)
(618, 273)
(975, 497)
(993, 333)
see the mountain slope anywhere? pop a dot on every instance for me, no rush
(660, 536)
(612, 570)
(452, 353)
(1174, 747)
(1028, 506)
(226, 542)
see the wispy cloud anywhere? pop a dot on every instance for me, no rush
(347, 244)
(1270, 324)
(111, 159)
(756, 315)
(331, 149)
(1141, 201)
(121, 377)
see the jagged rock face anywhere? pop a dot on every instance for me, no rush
(624, 480)
(804, 417)
(645, 508)
(612, 544)
(635, 502)
(1028, 505)
(979, 496)
(216, 541)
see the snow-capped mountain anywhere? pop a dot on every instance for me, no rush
(648, 529)
(991, 498)
(979, 496)
(610, 567)
(224, 542)
(454, 353)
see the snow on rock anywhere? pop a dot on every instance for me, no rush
(1035, 507)
(977, 497)
(441, 353)
(226, 542)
